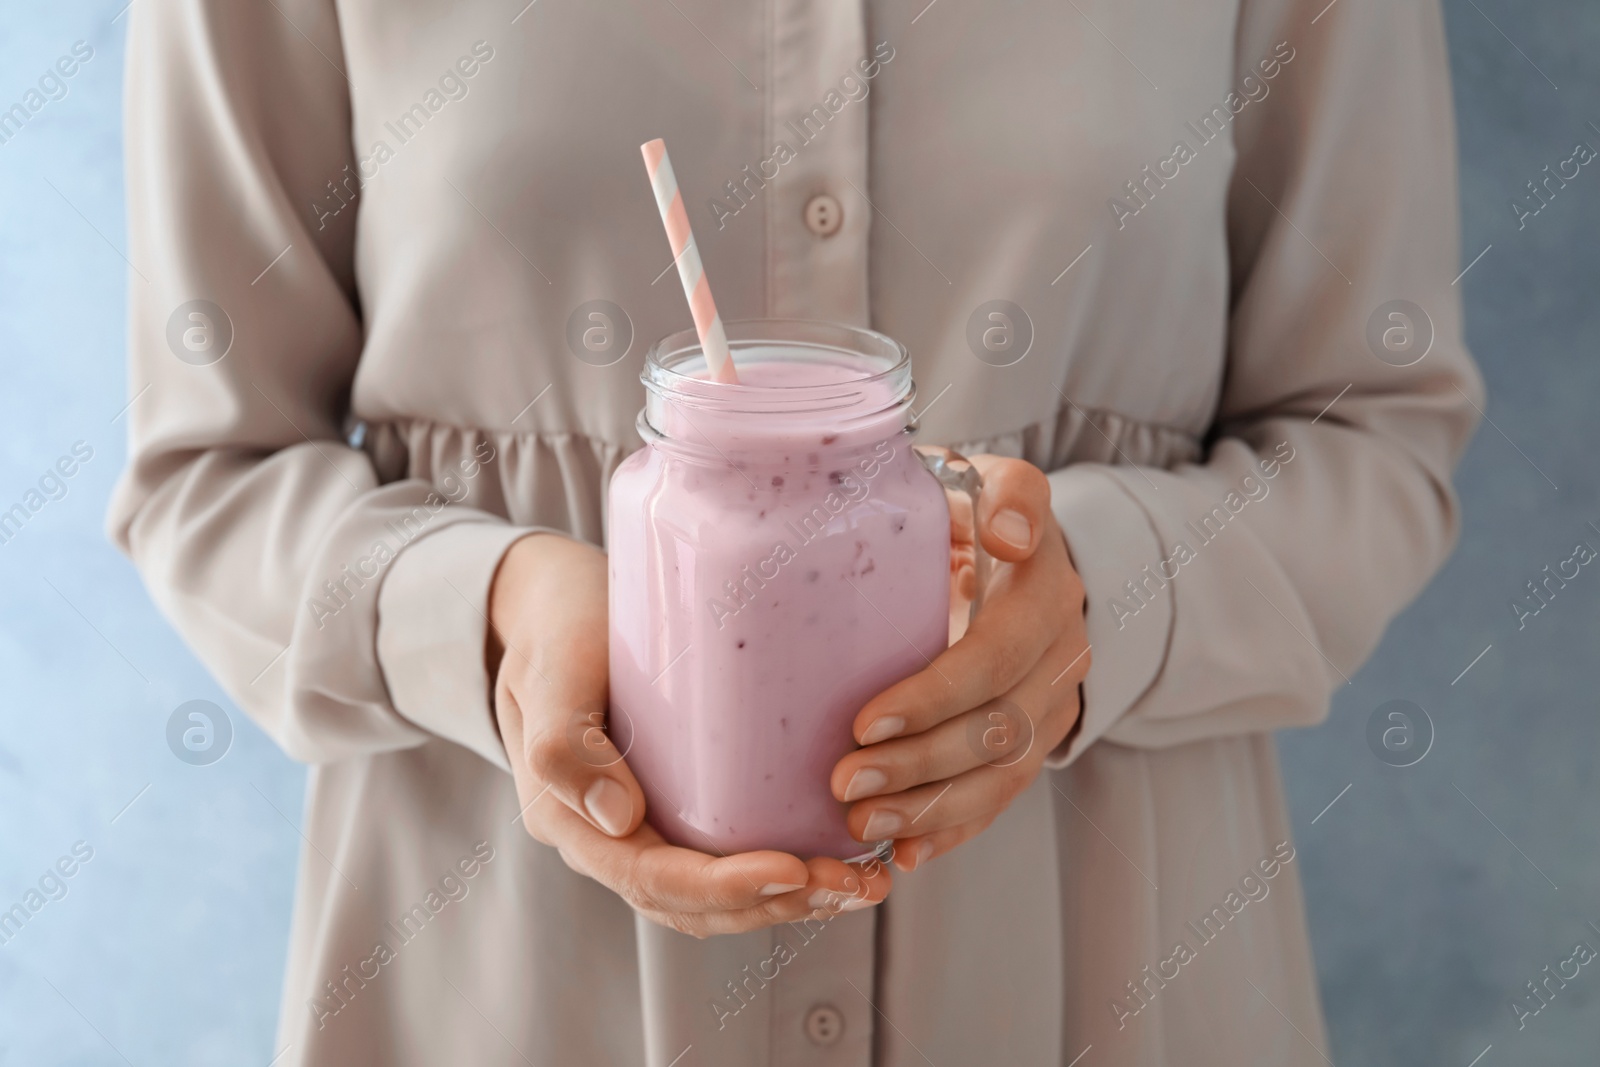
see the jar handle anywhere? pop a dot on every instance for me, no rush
(961, 482)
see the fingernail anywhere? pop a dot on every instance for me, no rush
(834, 900)
(883, 729)
(865, 782)
(924, 852)
(882, 823)
(772, 889)
(1012, 527)
(608, 804)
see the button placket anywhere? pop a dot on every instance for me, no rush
(817, 269)
(820, 1014)
(817, 235)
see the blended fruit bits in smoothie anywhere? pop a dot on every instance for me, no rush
(774, 565)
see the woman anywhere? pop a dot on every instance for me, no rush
(370, 462)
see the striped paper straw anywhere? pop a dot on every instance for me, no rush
(707, 323)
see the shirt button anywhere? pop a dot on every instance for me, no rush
(824, 1024)
(823, 215)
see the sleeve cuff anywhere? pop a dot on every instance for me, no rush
(432, 624)
(1112, 542)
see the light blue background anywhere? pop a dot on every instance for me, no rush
(1428, 914)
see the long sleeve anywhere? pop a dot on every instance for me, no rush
(344, 616)
(1234, 594)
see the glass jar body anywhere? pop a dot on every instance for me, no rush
(763, 589)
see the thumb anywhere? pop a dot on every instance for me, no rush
(577, 757)
(1013, 508)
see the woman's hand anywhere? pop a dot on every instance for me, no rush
(948, 749)
(547, 613)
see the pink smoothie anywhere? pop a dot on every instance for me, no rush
(770, 573)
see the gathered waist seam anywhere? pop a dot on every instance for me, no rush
(360, 430)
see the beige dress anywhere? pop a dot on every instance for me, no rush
(395, 207)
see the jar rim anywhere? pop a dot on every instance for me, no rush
(662, 377)
(682, 407)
